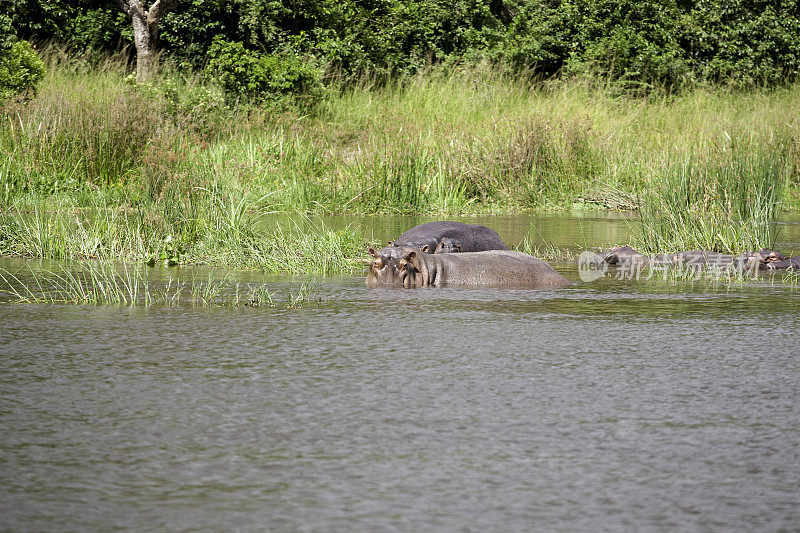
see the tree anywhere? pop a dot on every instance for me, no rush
(145, 31)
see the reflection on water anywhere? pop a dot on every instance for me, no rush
(610, 405)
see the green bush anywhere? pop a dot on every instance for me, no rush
(658, 43)
(634, 42)
(258, 77)
(745, 43)
(643, 44)
(21, 70)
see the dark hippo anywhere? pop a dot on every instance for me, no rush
(448, 237)
(494, 268)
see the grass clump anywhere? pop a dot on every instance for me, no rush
(546, 252)
(725, 201)
(217, 235)
(102, 283)
(93, 284)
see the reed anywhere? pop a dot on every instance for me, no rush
(546, 251)
(313, 249)
(99, 283)
(725, 202)
(226, 234)
(91, 283)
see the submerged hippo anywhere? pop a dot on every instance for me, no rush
(412, 267)
(706, 258)
(746, 261)
(627, 257)
(771, 256)
(624, 256)
(449, 237)
(792, 263)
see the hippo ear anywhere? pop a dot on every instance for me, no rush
(378, 262)
(425, 248)
(439, 247)
(412, 259)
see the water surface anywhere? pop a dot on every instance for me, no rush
(617, 404)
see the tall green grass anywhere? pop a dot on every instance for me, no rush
(725, 201)
(98, 167)
(103, 283)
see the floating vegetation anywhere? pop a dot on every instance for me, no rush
(97, 283)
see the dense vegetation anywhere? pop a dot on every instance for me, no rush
(410, 107)
(641, 43)
(167, 169)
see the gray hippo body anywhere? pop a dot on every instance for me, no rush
(492, 268)
(449, 237)
(699, 259)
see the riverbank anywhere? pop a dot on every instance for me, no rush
(147, 171)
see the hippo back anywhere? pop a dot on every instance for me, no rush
(447, 236)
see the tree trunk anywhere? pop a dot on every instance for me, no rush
(145, 44)
(145, 32)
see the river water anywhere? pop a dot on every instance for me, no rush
(611, 405)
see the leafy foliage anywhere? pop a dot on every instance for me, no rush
(745, 42)
(260, 77)
(21, 70)
(644, 44)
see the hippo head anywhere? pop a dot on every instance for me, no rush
(770, 256)
(383, 269)
(428, 247)
(762, 259)
(446, 246)
(391, 266)
(620, 254)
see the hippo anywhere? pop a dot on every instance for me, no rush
(446, 236)
(491, 268)
(770, 256)
(784, 264)
(624, 256)
(760, 260)
(698, 259)
(627, 257)
(701, 258)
